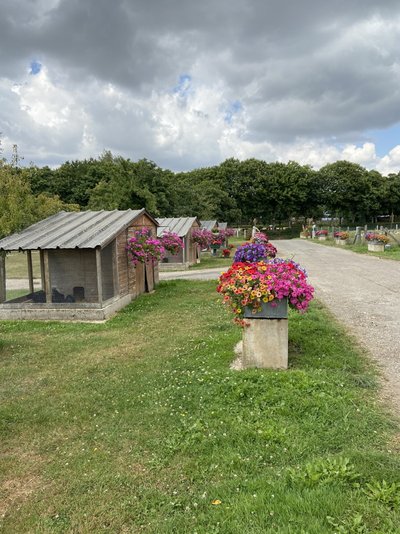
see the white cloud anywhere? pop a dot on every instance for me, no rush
(391, 162)
(261, 81)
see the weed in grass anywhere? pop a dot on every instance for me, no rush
(351, 525)
(384, 492)
(324, 471)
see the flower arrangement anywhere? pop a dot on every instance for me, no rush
(374, 236)
(252, 252)
(229, 232)
(321, 233)
(226, 252)
(202, 237)
(260, 237)
(246, 284)
(341, 235)
(219, 237)
(171, 242)
(271, 251)
(143, 247)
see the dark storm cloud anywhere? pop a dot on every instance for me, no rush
(306, 69)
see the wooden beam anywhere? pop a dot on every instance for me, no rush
(115, 268)
(99, 276)
(3, 294)
(47, 280)
(42, 276)
(30, 271)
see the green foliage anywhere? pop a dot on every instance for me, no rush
(384, 492)
(18, 206)
(351, 525)
(234, 191)
(324, 471)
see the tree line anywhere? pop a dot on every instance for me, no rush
(234, 191)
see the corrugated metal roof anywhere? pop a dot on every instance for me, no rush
(179, 225)
(208, 225)
(222, 225)
(66, 230)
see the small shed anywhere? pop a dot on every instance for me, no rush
(85, 270)
(183, 226)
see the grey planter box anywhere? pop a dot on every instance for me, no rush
(280, 311)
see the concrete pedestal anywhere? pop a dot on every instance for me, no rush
(322, 238)
(265, 344)
(342, 242)
(376, 247)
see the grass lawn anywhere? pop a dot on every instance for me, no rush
(14, 293)
(17, 265)
(123, 427)
(391, 254)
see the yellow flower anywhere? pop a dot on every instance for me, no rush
(215, 502)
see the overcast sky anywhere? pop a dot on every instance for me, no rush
(189, 83)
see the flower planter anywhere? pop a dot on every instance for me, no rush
(341, 242)
(215, 249)
(376, 246)
(322, 238)
(276, 309)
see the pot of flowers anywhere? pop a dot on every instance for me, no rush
(226, 252)
(259, 294)
(172, 244)
(263, 290)
(142, 247)
(376, 241)
(341, 238)
(322, 235)
(254, 252)
(202, 238)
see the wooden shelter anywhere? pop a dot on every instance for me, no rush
(85, 271)
(183, 226)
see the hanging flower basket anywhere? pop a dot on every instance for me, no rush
(142, 247)
(171, 242)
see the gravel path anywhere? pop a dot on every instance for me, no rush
(363, 292)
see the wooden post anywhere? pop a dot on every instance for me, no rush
(115, 268)
(42, 276)
(3, 294)
(99, 276)
(184, 252)
(30, 271)
(47, 280)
